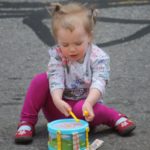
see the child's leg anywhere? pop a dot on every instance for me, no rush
(52, 113)
(36, 97)
(103, 114)
(111, 117)
(107, 116)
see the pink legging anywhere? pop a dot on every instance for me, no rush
(38, 97)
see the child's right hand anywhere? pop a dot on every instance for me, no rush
(88, 108)
(63, 107)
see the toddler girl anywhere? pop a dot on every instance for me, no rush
(78, 72)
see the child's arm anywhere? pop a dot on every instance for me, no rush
(100, 75)
(93, 96)
(61, 105)
(56, 81)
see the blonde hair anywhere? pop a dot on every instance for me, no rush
(67, 16)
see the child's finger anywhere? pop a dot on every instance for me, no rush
(66, 113)
(89, 116)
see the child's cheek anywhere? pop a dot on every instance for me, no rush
(65, 52)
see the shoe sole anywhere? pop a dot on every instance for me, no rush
(23, 140)
(127, 131)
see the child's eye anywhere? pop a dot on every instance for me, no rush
(65, 45)
(78, 43)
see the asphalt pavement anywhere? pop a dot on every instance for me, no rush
(122, 30)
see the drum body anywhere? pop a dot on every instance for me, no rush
(67, 134)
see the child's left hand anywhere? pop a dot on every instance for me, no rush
(88, 107)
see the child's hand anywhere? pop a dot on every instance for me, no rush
(63, 107)
(88, 108)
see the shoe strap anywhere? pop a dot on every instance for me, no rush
(25, 123)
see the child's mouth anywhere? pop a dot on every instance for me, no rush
(73, 56)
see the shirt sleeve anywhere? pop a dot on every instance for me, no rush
(100, 72)
(55, 71)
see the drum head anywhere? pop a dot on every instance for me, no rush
(67, 126)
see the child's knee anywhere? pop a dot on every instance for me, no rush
(40, 80)
(77, 109)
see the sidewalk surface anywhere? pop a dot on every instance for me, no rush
(123, 31)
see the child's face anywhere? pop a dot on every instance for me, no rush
(73, 44)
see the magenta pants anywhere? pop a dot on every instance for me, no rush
(38, 97)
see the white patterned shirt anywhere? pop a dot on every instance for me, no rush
(77, 78)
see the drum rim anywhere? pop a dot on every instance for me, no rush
(51, 129)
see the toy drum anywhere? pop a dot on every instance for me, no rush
(67, 134)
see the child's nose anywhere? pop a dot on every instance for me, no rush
(71, 48)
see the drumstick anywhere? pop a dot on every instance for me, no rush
(74, 117)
